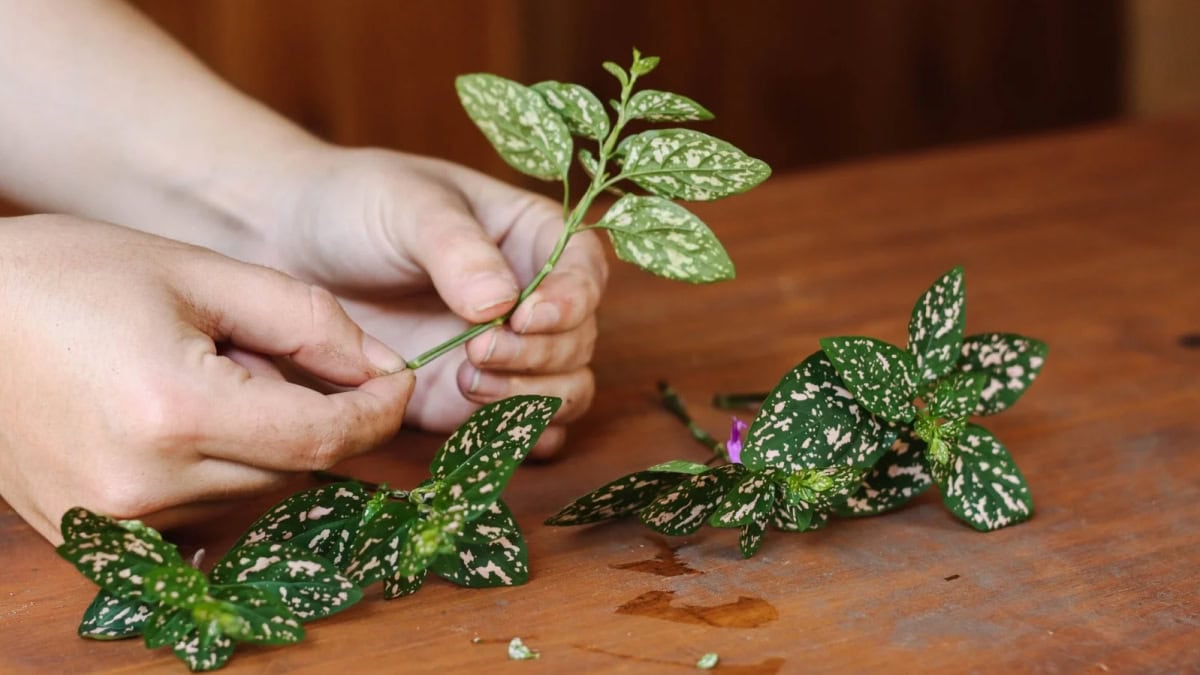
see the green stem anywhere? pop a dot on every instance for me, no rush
(739, 401)
(674, 404)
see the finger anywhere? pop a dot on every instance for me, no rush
(575, 388)
(268, 312)
(256, 364)
(463, 262)
(503, 350)
(281, 426)
(550, 443)
(569, 294)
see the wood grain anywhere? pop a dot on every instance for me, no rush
(1090, 241)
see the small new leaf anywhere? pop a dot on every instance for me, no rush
(663, 106)
(323, 520)
(524, 130)
(881, 376)
(683, 508)
(663, 237)
(957, 395)
(689, 165)
(578, 107)
(617, 72)
(1011, 363)
(935, 330)
(981, 484)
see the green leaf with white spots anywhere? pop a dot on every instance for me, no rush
(811, 421)
(400, 585)
(957, 395)
(112, 617)
(683, 508)
(307, 584)
(663, 106)
(433, 534)
(896, 479)
(799, 517)
(508, 428)
(322, 520)
(578, 107)
(821, 490)
(175, 586)
(689, 165)
(523, 129)
(666, 239)
(616, 499)
(491, 552)
(981, 483)
(167, 626)
(203, 655)
(250, 614)
(751, 499)
(753, 534)
(680, 466)
(881, 376)
(1010, 361)
(115, 556)
(377, 548)
(935, 331)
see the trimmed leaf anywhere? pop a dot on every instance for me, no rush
(935, 331)
(683, 508)
(508, 427)
(663, 106)
(689, 165)
(115, 556)
(578, 107)
(662, 237)
(203, 655)
(957, 395)
(753, 533)
(881, 376)
(680, 466)
(811, 421)
(308, 585)
(250, 614)
(619, 498)
(527, 134)
(490, 552)
(896, 479)
(176, 586)
(750, 500)
(1011, 363)
(981, 483)
(379, 542)
(322, 520)
(112, 617)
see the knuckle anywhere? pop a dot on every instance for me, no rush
(159, 415)
(122, 495)
(324, 308)
(330, 447)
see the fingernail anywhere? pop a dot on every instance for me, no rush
(495, 286)
(542, 316)
(495, 335)
(381, 356)
(487, 385)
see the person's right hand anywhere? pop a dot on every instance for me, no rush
(136, 374)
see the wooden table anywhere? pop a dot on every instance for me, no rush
(1090, 241)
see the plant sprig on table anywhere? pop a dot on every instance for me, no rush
(859, 428)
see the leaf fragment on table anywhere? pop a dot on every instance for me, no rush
(518, 651)
(578, 107)
(1011, 363)
(708, 661)
(666, 239)
(523, 129)
(880, 375)
(663, 106)
(684, 507)
(689, 165)
(981, 483)
(935, 330)
(323, 520)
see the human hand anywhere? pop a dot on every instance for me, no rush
(137, 374)
(418, 249)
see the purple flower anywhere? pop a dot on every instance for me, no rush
(734, 445)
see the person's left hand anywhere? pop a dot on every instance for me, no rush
(418, 249)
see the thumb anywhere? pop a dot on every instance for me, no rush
(268, 312)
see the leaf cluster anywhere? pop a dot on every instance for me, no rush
(311, 554)
(859, 428)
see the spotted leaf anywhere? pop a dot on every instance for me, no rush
(322, 520)
(507, 428)
(114, 555)
(981, 484)
(957, 395)
(490, 552)
(112, 617)
(679, 466)
(167, 626)
(617, 499)
(881, 376)
(935, 331)
(1011, 363)
(821, 490)
(689, 165)
(307, 584)
(810, 421)
(175, 586)
(203, 655)
(753, 533)
(399, 584)
(578, 107)
(527, 133)
(250, 614)
(750, 499)
(663, 106)
(683, 508)
(662, 237)
(377, 548)
(897, 478)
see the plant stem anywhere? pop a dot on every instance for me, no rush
(674, 404)
(739, 401)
